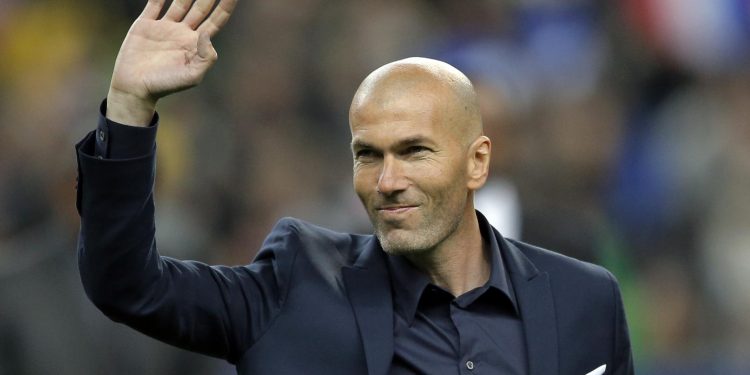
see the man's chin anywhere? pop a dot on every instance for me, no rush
(400, 242)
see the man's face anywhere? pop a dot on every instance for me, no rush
(409, 171)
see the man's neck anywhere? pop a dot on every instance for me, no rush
(460, 263)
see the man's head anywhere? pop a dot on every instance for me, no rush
(419, 153)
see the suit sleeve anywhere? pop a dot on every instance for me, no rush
(118, 141)
(218, 311)
(623, 357)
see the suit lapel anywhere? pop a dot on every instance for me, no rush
(537, 309)
(369, 290)
(368, 287)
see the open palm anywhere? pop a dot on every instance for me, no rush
(163, 56)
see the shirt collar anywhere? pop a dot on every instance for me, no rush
(408, 282)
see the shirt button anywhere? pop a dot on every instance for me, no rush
(470, 365)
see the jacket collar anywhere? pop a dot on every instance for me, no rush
(368, 287)
(537, 308)
(409, 283)
(369, 290)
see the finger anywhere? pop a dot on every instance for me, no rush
(198, 12)
(206, 50)
(152, 9)
(177, 10)
(218, 18)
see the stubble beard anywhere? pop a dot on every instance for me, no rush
(432, 230)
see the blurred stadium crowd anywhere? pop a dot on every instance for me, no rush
(620, 129)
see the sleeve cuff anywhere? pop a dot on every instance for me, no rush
(119, 141)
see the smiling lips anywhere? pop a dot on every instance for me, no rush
(395, 211)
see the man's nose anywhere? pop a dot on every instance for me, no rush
(392, 179)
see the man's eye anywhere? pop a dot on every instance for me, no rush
(365, 154)
(416, 149)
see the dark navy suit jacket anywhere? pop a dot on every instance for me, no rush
(313, 301)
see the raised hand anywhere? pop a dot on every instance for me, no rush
(163, 56)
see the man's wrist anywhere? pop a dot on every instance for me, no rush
(119, 141)
(129, 109)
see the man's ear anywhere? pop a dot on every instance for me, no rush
(478, 162)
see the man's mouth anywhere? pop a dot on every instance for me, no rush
(396, 210)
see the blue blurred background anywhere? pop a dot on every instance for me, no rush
(620, 129)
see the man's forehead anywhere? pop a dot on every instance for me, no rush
(400, 89)
(414, 92)
(398, 123)
(392, 110)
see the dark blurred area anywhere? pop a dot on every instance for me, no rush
(620, 130)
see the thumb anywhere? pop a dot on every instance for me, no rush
(206, 50)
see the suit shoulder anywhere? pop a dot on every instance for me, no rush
(578, 287)
(313, 238)
(560, 265)
(306, 229)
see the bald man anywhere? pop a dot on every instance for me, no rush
(435, 290)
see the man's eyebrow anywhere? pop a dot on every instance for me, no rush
(358, 144)
(418, 139)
